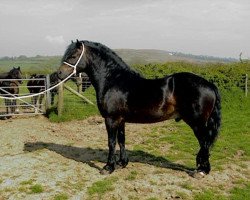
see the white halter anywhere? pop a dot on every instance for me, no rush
(51, 88)
(74, 66)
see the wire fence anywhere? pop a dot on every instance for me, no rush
(77, 91)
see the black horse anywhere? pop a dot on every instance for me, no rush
(10, 85)
(125, 96)
(37, 84)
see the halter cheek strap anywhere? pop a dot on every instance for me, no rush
(75, 65)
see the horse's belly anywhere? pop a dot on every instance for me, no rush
(150, 117)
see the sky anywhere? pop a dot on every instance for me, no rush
(202, 27)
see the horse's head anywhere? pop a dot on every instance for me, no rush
(73, 60)
(16, 73)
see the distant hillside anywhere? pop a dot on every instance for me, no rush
(144, 56)
(48, 64)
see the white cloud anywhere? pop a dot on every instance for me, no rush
(55, 39)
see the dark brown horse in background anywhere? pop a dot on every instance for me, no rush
(37, 84)
(9, 87)
(82, 82)
(125, 96)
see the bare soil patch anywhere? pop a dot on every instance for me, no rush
(64, 160)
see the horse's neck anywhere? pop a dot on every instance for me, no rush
(95, 79)
(103, 76)
(104, 71)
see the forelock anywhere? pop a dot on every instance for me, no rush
(69, 51)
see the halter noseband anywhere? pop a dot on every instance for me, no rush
(75, 65)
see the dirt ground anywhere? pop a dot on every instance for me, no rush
(64, 160)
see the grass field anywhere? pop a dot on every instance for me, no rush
(232, 149)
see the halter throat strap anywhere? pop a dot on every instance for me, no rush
(75, 65)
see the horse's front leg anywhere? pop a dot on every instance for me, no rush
(123, 161)
(112, 129)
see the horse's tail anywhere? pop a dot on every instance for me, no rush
(214, 121)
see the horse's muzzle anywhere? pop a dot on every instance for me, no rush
(64, 71)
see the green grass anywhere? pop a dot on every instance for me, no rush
(237, 193)
(36, 189)
(209, 195)
(103, 186)
(38, 64)
(28, 182)
(132, 176)
(61, 197)
(240, 193)
(75, 108)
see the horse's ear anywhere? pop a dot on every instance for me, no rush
(72, 42)
(78, 44)
(18, 68)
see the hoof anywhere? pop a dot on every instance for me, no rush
(121, 164)
(107, 169)
(197, 174)
(105, 172)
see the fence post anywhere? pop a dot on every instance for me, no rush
(80, 85)
(246, 89)
(60, 100)
(48, 94)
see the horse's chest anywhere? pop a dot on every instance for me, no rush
(114, 101)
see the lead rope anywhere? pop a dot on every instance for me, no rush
(51, 88)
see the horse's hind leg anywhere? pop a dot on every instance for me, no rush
(202, 158)
(123, 161)
(206, 136)
(201, 131)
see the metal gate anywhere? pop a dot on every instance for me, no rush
(25, 106)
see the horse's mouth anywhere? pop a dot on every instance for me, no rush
(59, 75)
